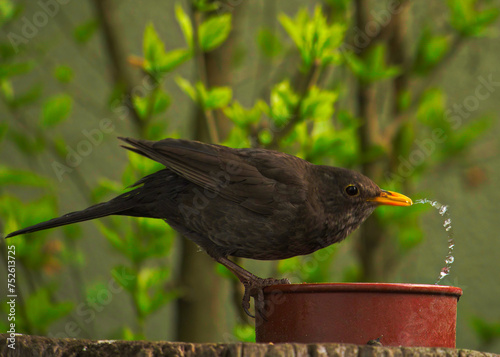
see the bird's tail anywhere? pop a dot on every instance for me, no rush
(117, 205)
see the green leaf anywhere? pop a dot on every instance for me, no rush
(318, 104)
(206, 5)
(295, 28)
(173, 58)
(237, 138)
(157, 130)
(150, 294)
(218, 97)
(56, 109)
(214, 31)
(7, 11)
(63, 74)
(155, 104)
(150, 277)
(242, 116)
(430, 51)
(157, 60)
(138, 167)
(245, 333)
(373, 67)
(269, 43)
(317, 41)
(201, 93)
(214, 98)
(153, 47)
(42, 312)
(9, 176)
(469, 21)
(84, 32)
(185, 24)
(265, 136)
(7, 90)
(125, 277)
(283, 103)
(404, 100)
(15, 69)
(187, 88)
(484, 19)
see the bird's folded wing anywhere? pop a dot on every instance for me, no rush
(213, 167)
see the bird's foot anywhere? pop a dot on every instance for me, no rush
(255, 288)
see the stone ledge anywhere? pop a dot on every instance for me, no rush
(27, 345)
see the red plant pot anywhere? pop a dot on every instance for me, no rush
(403, 314)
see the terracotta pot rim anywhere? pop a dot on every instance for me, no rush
(367, 287)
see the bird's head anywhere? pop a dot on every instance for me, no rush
(348, 198)
(347, 190)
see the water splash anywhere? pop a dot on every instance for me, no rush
(443, 211)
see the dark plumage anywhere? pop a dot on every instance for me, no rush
(250, 203)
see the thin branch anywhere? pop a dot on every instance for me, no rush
(369, 132)
(117, 56)
(369, 135)
(309, 81)
(152, 99)
(202, 74)
(385, 31)
(262, 67)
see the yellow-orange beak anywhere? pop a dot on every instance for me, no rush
(392, 199)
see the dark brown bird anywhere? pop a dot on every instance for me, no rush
(250, 203)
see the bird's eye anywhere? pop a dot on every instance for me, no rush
(352, 190)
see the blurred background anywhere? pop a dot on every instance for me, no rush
(406, 92)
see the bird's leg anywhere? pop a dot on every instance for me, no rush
(253, 284)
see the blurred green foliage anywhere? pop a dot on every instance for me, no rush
(304, 120)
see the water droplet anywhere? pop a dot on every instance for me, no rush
(443, 211)
(445, 271)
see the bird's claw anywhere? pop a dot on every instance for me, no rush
(255, 288)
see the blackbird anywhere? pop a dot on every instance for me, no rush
(250, 203)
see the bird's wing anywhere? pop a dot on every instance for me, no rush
(219, 169)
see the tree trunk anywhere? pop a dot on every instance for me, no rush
(203, 310)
